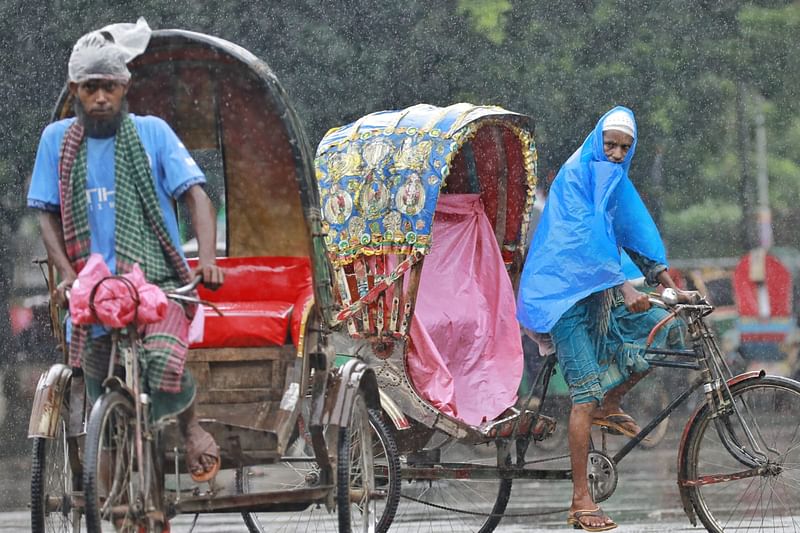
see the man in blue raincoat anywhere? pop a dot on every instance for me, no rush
(574, 287)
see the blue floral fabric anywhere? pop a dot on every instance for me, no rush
(379, 177)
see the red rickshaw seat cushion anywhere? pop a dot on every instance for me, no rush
(258, 299)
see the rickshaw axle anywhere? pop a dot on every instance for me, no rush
(256, 502)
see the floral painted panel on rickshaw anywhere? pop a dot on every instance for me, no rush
(379, 178)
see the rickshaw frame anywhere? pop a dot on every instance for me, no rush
(309, 366)
(737, 422)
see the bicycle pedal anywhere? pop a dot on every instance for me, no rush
(214, 488)
(545, 426)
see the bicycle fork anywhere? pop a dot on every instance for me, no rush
(720, 401)
(130, 361)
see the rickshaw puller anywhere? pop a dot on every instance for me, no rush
(104, 182)
(575, 288)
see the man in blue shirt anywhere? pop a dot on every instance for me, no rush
(104, 182)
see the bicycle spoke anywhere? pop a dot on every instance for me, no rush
(765, 499)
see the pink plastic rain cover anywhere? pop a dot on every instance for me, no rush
(465, 355)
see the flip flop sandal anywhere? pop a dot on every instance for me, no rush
(613, 423)
(196, 447)
(125, 525)
(574, 520)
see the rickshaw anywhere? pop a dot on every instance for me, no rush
(426, 215)
(393, 186)
(292, 427)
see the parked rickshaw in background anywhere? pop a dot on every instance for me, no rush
(426, 213)
(293, 429)
(763, 289)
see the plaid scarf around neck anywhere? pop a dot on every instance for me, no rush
(140, 234)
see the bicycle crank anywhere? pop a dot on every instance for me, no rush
(602, 475)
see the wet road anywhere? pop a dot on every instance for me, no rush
(19, 521)
(646, 499)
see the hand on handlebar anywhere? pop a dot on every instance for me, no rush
(688, 297)
(212, 275)
(635, 301)
(672, 296)
(60, 294)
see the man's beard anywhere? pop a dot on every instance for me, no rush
(99, 128)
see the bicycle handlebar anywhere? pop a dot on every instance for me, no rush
(669, 299)
(189, 287)
(180, 291)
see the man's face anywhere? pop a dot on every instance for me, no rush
(101, 99)
(616, 145)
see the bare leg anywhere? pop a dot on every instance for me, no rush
(190, 428)
(580, 427)
(613, 399)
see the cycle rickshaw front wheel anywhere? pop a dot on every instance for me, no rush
(116, 487)
(731, 496)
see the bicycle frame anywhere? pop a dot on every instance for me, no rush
(128, 358)
(125, 344)
(715, 379)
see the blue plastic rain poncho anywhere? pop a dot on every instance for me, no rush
(592, 211)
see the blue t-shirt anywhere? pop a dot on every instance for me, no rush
(174, 171)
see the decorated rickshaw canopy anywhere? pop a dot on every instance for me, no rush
(380, 177)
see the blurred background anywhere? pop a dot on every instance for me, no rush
(714, 85)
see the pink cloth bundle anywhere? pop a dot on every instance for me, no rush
(118, 300)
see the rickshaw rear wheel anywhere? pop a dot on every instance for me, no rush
(387, 469)
(315, 517)
(356, 484)
(452, 500)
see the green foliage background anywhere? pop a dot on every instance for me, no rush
(682, 65)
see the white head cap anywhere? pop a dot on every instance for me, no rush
(104, 53)
(620, 121)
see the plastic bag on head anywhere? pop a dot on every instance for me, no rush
(105, 53)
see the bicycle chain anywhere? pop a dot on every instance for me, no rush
(475, 513)
(545, 460)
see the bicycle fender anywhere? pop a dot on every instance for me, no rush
(394, 412)
(688, 508)
(47, 401)
(344, 383)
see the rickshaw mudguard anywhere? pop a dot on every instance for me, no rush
(344, 384)
(686, 501)
(47, 402)
(337, 390)
(394, 412)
